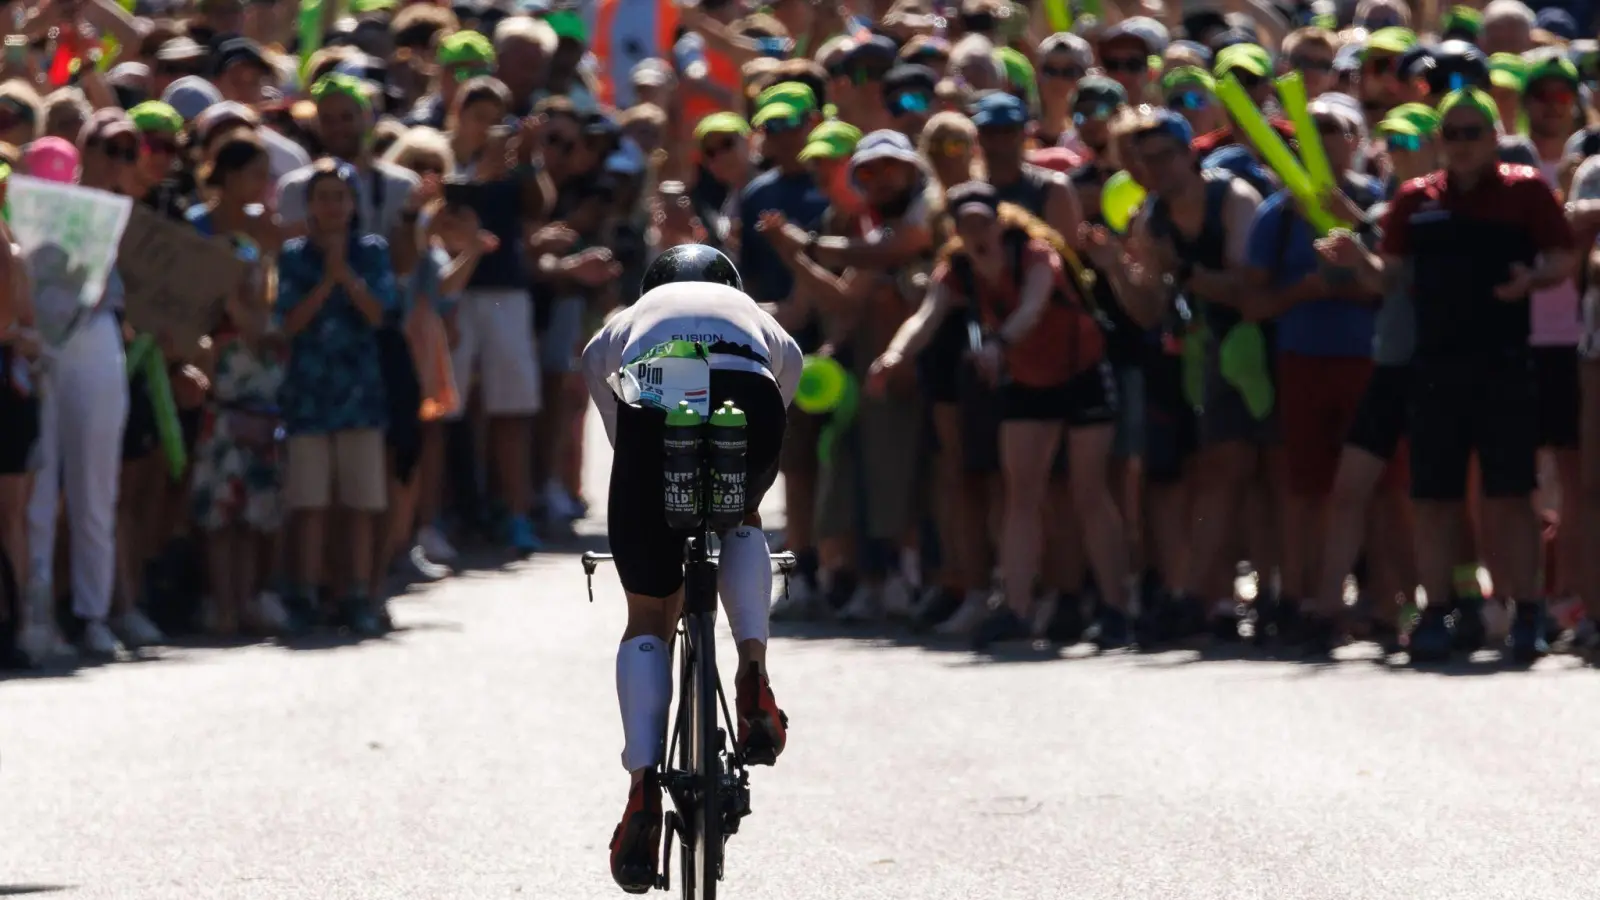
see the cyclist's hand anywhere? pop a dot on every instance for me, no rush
(878, 375)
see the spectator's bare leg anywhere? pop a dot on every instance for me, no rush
(1027, 449)
(1221, 478)
(430, 475)
(1103, 536)
(1589, 479)
(223, 551)
(1353, 487)
(14, 492)
(1168, 518)
(1440, 536)
(510, 437)
(1511, 531)
(310, 524)
(1570, 535)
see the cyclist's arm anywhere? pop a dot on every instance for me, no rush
(598, 365)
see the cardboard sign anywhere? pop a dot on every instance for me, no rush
(176, 278)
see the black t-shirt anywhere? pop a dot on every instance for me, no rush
(499, 208)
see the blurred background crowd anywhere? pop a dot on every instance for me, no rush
(1087, 363)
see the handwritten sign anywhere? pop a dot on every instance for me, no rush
(176, 278)
(69, 236)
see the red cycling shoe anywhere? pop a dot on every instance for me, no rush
(763, 727)
(636, 844)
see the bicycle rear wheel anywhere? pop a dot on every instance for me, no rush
(703, 851)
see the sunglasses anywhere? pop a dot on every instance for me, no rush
(1310, 64)
(863, 74)
(122, 152)
(1407, 142)
(178, 70)
(1067, 72)
(949, 147)
(1190, 100)
(912, 102)
(714, 149)
(155, 145)
(929, 56)
(1094, 114)
(1461, 134)
(1330, 127)
(1129, 64)
(1247, 80)
(1555, 96)
(1378, 65)
(783, 126)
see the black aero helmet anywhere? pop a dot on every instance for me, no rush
(690, 262)
(1457, 64)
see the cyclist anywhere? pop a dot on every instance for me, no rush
(691, 294)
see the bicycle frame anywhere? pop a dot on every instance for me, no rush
(707, 781)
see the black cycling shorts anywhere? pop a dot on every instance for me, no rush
(1488, 407)
(648, 554)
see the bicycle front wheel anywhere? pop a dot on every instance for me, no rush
(703, 862)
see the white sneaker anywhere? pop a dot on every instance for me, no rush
(968, 616)
(798, 603)
(899, 598)
(866, 605)
(99, 640)
(435, 546)
(269, 607)
(138, 631)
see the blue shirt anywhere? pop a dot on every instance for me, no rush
(767, 278)
(1284, 248)
(333, 382)
(423, 285)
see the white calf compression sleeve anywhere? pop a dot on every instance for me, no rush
(644, 691)
(744, 579)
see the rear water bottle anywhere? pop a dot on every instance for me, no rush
(681, 466)
(728, 447)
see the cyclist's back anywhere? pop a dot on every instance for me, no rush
(695, 337)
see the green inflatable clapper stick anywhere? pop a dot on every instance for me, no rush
(822, 385)
(166, 414)
(1292, 90)
(1274, 152)
(1242, 357)
(844, 415)
(729, 449)
(680, 465)
(1120, 198)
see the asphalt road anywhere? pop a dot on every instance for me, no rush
(474, 755)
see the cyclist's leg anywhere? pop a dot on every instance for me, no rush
(744, 575)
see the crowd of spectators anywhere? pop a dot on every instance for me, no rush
(1099, 363)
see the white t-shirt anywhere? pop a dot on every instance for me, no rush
(283, 155)
(690, 311)
(384, 192)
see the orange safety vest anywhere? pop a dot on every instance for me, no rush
(722, 72)
(626, 32)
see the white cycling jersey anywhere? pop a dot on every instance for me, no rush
(700, 312)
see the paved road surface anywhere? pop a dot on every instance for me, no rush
(474, 755)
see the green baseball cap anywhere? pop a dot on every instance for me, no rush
(831, 140)
(1394, 39)
(466, 48)
(155, 116)
(342, 85)
(1187, 76)
(1244, 58)
(794, 93)
(1424, 118)
(776, 110)
(1508, 70)
(358, 7)
(722, 123)
(568, 24)
(1473, 99)
(1463, 20)
(1019, 71)
(1551, 65)
(1394, 125)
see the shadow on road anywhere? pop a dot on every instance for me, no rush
(18, 890)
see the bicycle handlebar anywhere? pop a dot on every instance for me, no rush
(592, 560)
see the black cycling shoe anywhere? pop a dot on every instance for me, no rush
(1112, 629)
(1527, 640)
(1317, 635)
(1470, 633)
(1002, 626)
(1431, 640)
(1066, 625)
(635, 845)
